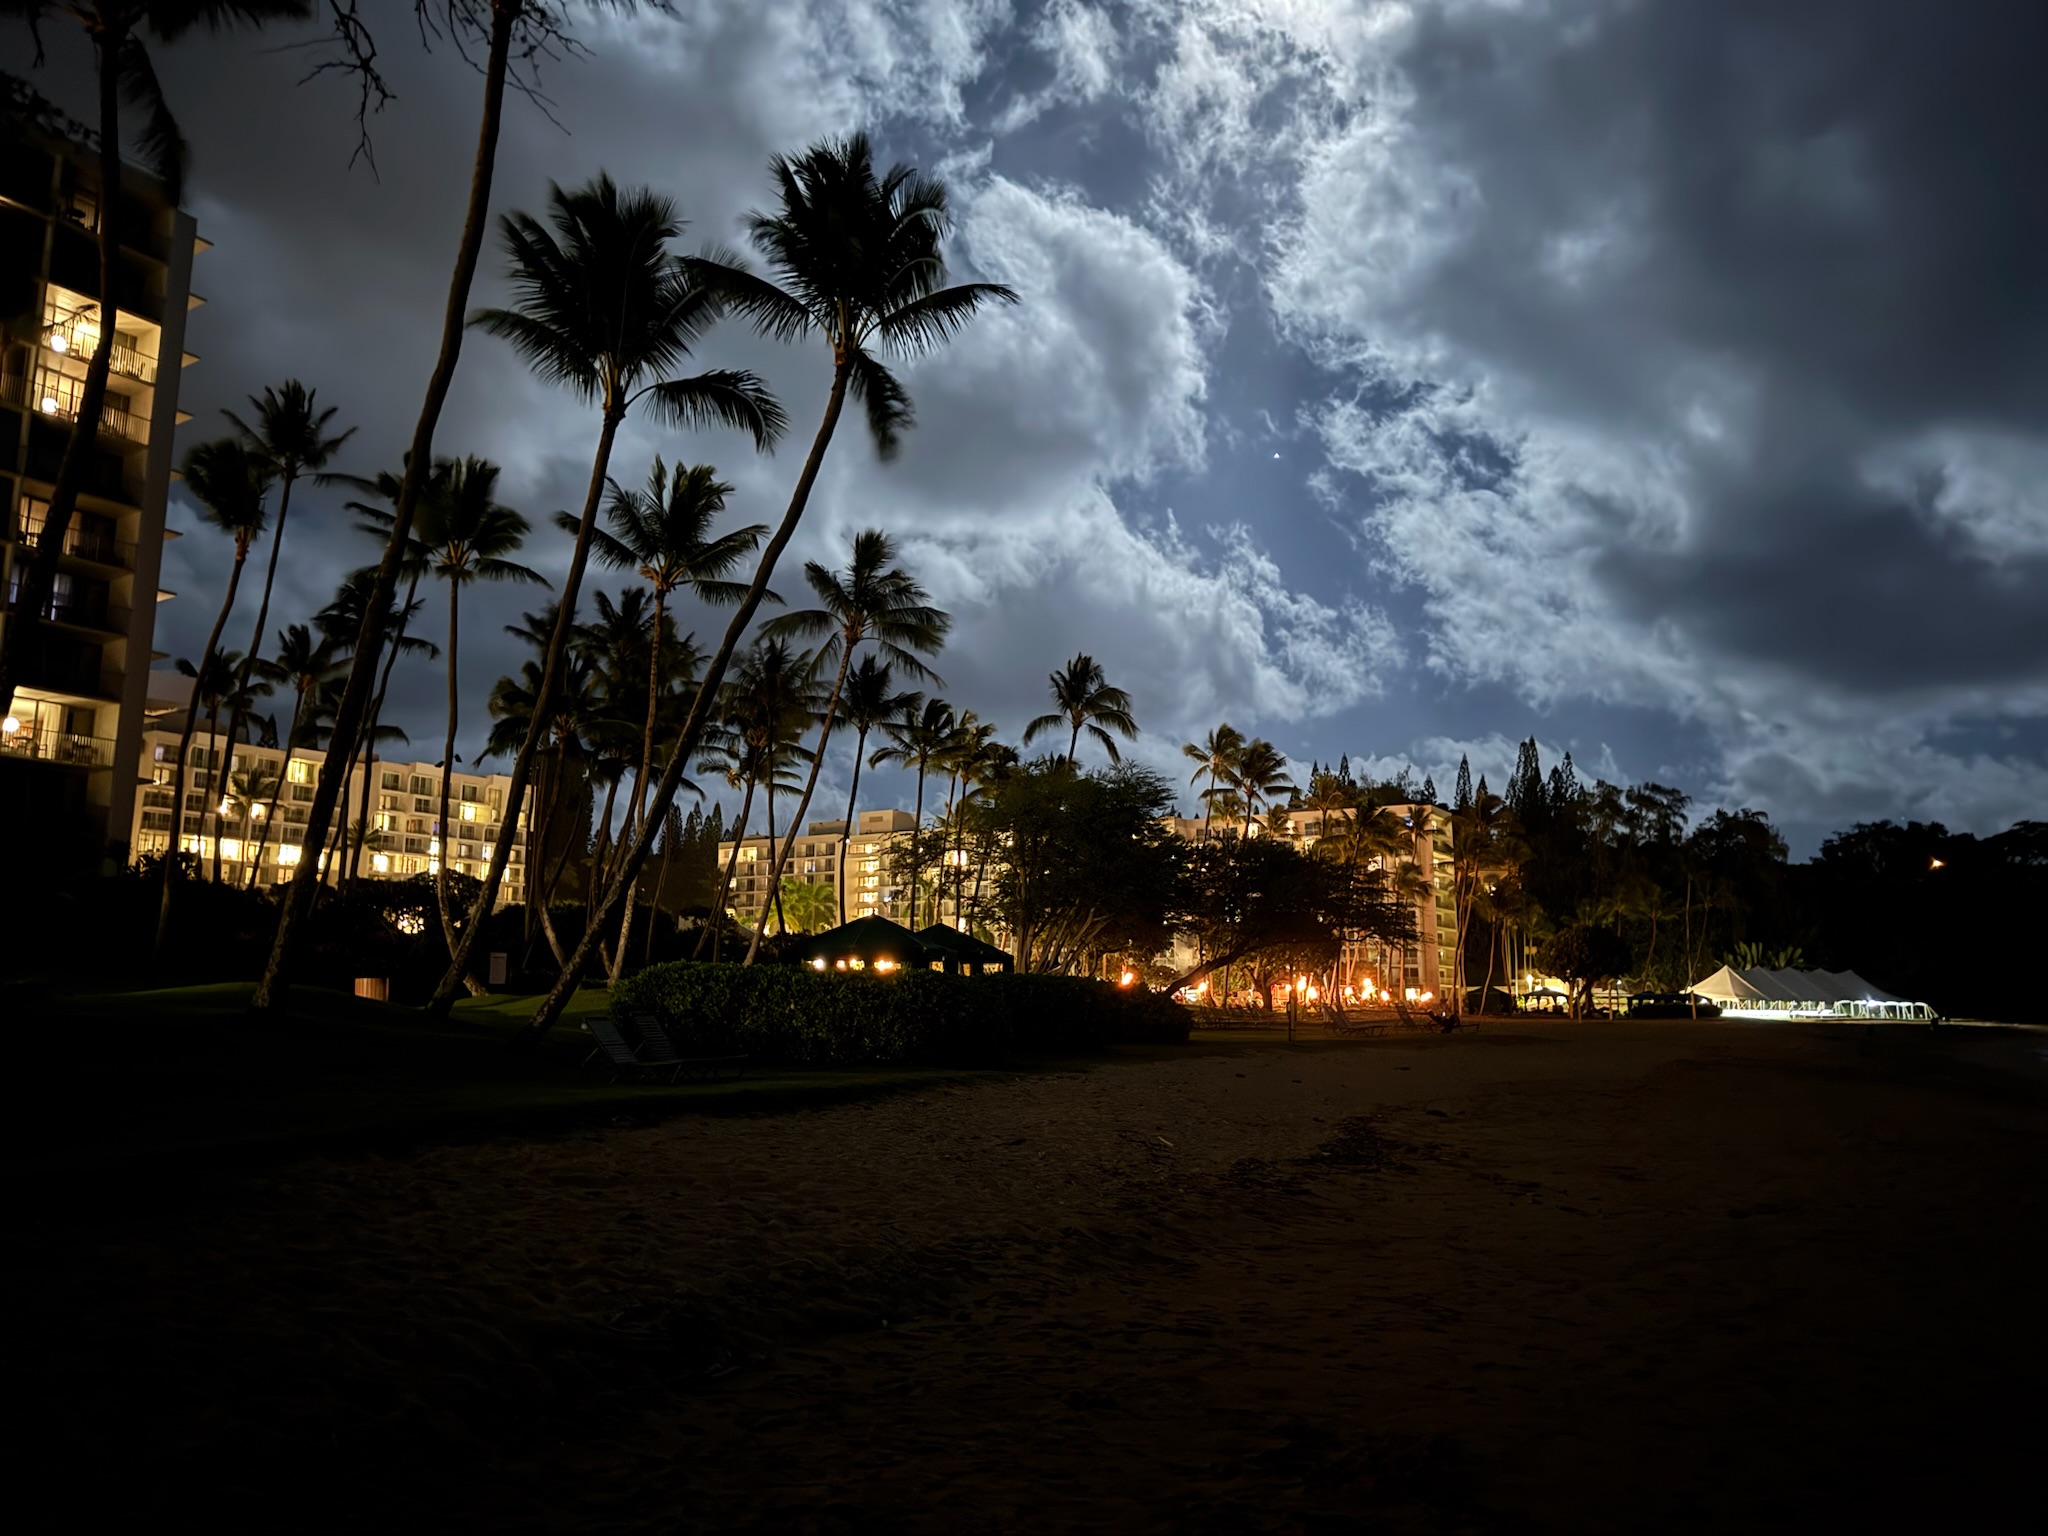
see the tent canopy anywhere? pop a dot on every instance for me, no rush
(1762, 985)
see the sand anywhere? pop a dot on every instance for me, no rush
(1572, 1278)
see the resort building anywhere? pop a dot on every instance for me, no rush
(230, 789)
(75, 724)
(871, 890)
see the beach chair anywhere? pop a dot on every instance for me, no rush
(612, 1046)
(656, 1045)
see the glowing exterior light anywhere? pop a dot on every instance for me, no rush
(60, 343)
(884, 965)
(49, 405)
(1126, 979)
(10, 725)
(839, 965)
(818, 964)
(1936, 864)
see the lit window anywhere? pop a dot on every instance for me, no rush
(468, 810)
(381, 863)
(288, 854)
(299, 771)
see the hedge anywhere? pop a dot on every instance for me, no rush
(781, 1015)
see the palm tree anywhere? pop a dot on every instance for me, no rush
(856, 260)
(756, 741)
(1086, 702)
(305, 664)
(1259, 777)
(231, 687)
(918, 737)
(230, 485)
(868, 699)
(248, 791)
(1215, 757)
(664, 533)
(808, 905)
(288, 436)
(525, 29)
(464, 536)
(604, 307)
(872, 600)
(122, 72)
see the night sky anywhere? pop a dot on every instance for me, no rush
(1665, 380)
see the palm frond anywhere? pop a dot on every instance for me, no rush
(723, 397)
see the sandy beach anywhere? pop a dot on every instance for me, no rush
(1575, 1278)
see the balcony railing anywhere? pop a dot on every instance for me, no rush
(58, 747)
(89, 544)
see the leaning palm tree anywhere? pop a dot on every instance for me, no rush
(664, 533)
(919, 737)
(603, 306)
(230, 484)
(868, 699)
(856, 260)
(117, 31)
(289, 436)
(1215, 758)
(1086, 702)
(510, 32)
(465, 536)
(248, 791)
(304, 664)
(872, 600)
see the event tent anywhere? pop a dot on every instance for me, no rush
(1761, 991)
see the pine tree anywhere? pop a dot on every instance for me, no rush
(1429, 789)
(1462, 797)
(1344, 769)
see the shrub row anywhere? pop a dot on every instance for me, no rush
(782, 1015)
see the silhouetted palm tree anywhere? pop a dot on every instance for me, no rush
(604, 307)
(857, 261)
(1216, 758)
(230, 485)
(464, 536)
(1086, 702)
(868, 699)
(918, 737)
(287, 437)
(874, 601)
(1259, 777)
(305, 664)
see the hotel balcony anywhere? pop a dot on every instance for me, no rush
(73, 751)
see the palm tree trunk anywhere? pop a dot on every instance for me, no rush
(543, 711)
(1073, 744)
(284, 507)
(739, 836)
(635, 805)
(447, 833)
(803, 805)
(693, 725)
(163, 912)
(355, 696)
(860, 747)
(660, 886)
(24, 628)
(220, 787)
(916, 847)
(376, 719)
(772, 894)
(276, 791)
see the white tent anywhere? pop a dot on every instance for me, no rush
(1762, 993)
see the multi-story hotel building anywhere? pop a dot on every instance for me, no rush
(870, 888)
(73, 730)
(227, 802)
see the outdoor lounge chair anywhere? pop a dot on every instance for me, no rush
(612, 1045)
(657, 1047)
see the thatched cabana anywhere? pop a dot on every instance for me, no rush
(866, 944)
(962, 954)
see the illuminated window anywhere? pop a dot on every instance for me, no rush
(299, 771)
(381, 863)
(468, 808)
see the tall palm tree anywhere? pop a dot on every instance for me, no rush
(868, 699)
(230, 484)
(304, 664)
(857, 261)
(603, 306)
(664, 533)
(465, 536)
(118, 31)
(231, 687)
(1215, 757)
(764, 712)
(289, 436)
(1086, 702)
(1259, 778)
(919, 737)
(248, 791)
(873, 600)
(509, 30)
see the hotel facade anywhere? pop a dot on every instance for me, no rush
(228, 806)
(871, 890)
(73, 730)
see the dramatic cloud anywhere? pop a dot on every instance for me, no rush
(1400, 377)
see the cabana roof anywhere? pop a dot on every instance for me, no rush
(964, 946)
(867, 940)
